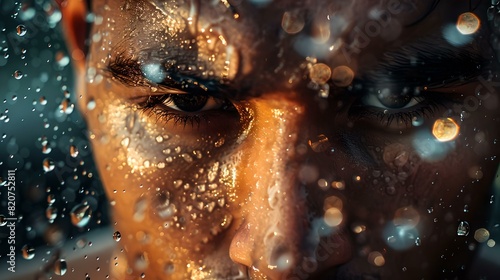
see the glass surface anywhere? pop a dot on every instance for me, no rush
(249, 139)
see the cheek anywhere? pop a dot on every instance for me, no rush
(172, 181)
(406, 186)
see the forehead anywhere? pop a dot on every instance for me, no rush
(263, 32)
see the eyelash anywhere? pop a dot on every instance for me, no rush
(124, 69)
(155, 106)
(151, 106)
(426, 107)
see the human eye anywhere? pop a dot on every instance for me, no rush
(172, 96)
(185, 109)
(412, 87)
(399, 107)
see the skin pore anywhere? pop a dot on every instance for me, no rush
(289, 139)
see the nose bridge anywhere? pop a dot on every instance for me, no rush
(275, 215)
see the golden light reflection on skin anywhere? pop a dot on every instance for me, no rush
(287, 181)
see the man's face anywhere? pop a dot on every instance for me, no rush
(292, 139)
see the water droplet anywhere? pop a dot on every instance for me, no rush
(130, 122)
(282, 260)
(66, 106)
(187, 157)
(73, 151)
(177, 183)
(140, 209)
(201, 187)
(221, 202)
(219, 142)
(391, 239)
(117, 236)
(18, 74)
(159, 138)
(463, 228)
(169, 268)
(28, 252)
(417, 121)
(51, 199)
(21, 30)
(46, 149)
(417, 241)
(211, 207)
(125, 142)
(91, 105)
(197, 154)
(396, 154)
(80, 215)
(60, 267)
(48, 165)
(81, 243)
(320, 144)
(51, 213)
(212, 172)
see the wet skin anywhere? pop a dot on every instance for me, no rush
(268, 178)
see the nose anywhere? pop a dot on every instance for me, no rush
(275, 239)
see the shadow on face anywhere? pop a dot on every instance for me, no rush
(276, 140)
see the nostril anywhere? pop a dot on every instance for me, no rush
(243, 272)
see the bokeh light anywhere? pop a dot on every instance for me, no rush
(445, 129)
(468, 23)
(342, 76)
(333, 217)
(376, 258)
(320, 73)
(292, 22)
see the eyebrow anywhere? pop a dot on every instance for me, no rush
(429, 62)
(177, 81)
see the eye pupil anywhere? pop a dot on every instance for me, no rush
(190, 102)
(393, 101)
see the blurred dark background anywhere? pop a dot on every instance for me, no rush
(42, 135)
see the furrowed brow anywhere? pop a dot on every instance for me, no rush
(430, 62)
(129, 72)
